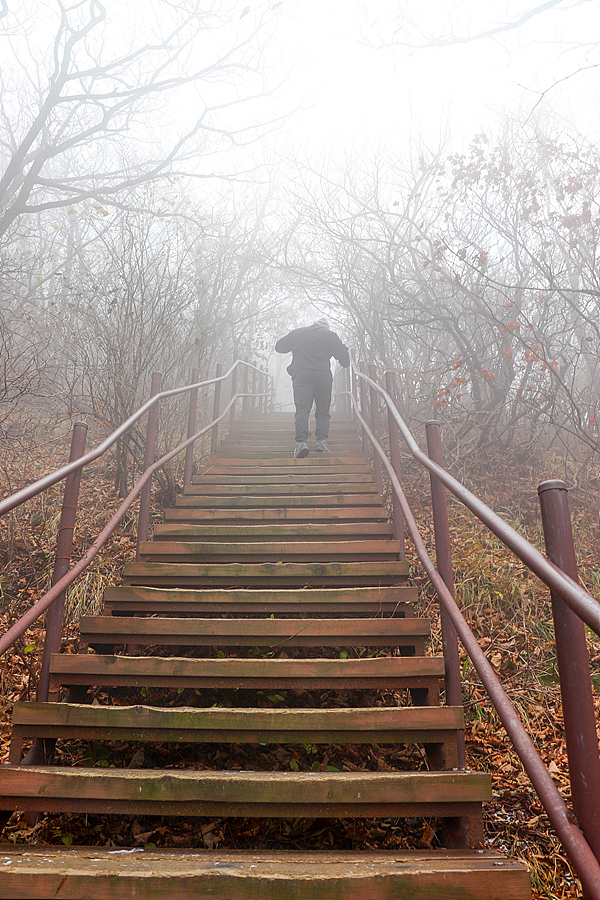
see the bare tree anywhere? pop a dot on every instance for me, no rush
(70, 122)
(475, 277)
(405, 32)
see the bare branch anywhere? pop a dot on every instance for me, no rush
(94, 110)
(555, 84)
(493, 31)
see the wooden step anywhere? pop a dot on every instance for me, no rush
(252, 456)
(285, 501)
(283, 449)
(245, 469)
(280, 514)
(183, 792)
(327, 479)
(221, 489)
(268, 551)
(239, 456)
(319, 574)
(36, 873)
(432, 726)
(260, 426)
(284, 443)
(365, 601)
(386, 672)
(281, 633)
(283, 531)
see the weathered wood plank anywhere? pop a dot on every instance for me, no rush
(352, 601)
(283, 473)
(234, 477)
(294, 574)
(265, 501)
(279, 514)
(32, 873)
(234, 456)
(391, 673)
(227, 793)
(268, 551)
(287, 489)
(395, 725)
(283, 531)
(254, 724)
(390, 632)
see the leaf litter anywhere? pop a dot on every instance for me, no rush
(508, 610)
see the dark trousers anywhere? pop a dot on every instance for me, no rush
(309, 387)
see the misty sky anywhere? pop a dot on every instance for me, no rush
(345, 75)
(358, 89)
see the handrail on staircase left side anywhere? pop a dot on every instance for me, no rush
(260, 396)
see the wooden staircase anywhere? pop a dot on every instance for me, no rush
(270, 574)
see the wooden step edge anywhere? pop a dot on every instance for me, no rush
(250, 609)
(178, 792)
(422, 673)
(37, 873)
(403, 718)
(252, 629)
(285, 530)
(256, 552)
(434, 727)
(394, 594)
(394, 568)
(283, 459)
(386, 667)
(278, 501)
(350, 545)
(243, 793)
(275, 515)
(234, 476)
(219, 489)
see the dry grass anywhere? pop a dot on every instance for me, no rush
(507, 608)
(509, 611)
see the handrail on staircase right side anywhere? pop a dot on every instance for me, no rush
(581, 839)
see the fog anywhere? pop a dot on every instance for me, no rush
(184, 182)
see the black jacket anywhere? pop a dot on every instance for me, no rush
(312, 347)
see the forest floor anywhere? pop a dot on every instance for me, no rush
(507, 607)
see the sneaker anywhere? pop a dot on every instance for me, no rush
(301, 450)
(321, 447)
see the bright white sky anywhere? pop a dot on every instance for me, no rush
(355, 90)
(350, 91)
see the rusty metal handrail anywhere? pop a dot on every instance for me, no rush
(564, 823)
(32, 490)
(574, 595)
(20, 627)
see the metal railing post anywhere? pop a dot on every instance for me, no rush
(363, 408)
(394, 434)
(191, 429)
(354, 386)
(253, 390)
(347, 389)
(245, 401)
(266, 393)
(64, 546)
(443, 556)
(214, 437)
(573, 667)
(375, 427)
(151, 430)
(233, 393)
